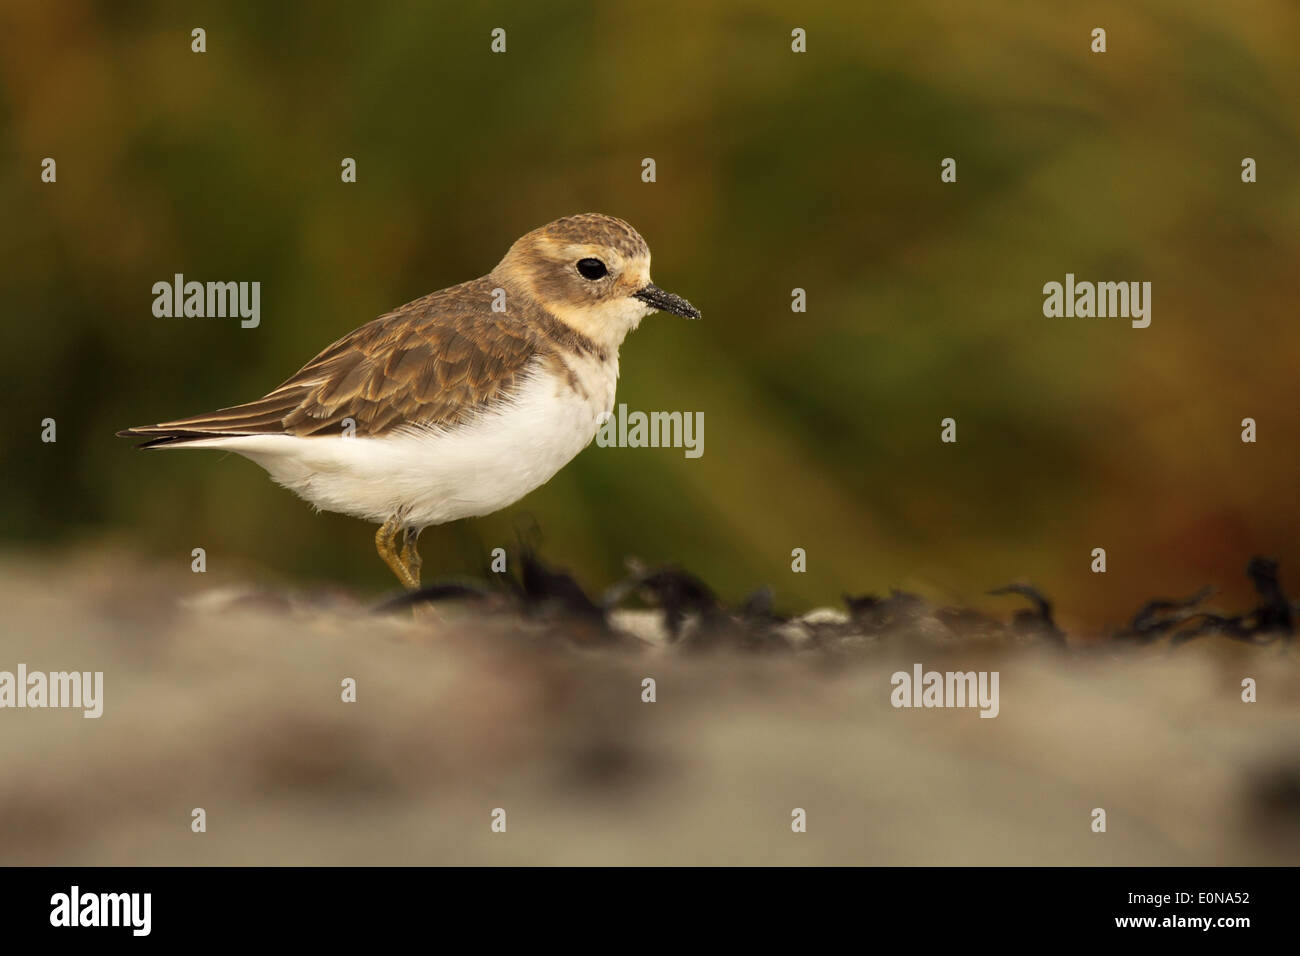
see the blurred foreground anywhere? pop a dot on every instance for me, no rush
(230, 700)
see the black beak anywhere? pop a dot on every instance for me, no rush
(666, 301)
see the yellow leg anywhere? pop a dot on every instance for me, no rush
(386, 545)
(411, 557)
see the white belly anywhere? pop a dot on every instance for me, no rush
(432, 475)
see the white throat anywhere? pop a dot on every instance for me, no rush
(606, 324)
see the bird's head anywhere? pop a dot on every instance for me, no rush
(592, 272)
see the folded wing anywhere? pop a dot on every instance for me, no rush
(436, 361)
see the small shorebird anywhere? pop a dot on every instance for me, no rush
(456, 404)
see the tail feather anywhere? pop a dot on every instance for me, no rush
(158, 438)
(262, 417)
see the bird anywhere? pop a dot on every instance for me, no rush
(459, 403)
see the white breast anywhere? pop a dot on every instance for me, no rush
(433, 475)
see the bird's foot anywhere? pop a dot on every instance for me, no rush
(386, 545)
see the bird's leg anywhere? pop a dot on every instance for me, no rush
(411, 556)
(386, 545)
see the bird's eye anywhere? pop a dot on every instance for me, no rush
(591, 268)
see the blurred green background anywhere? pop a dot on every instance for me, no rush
(775, 170)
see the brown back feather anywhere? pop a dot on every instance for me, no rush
(436, 361)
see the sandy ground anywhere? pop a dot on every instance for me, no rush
(216, 700)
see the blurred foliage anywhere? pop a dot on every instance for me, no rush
(775, 170)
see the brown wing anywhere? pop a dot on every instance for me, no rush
(436, 360)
